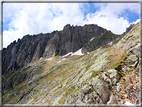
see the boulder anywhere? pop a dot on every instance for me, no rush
(136, 50)
(113, 75)
(133, 58)
(101, 88)
(97, 85)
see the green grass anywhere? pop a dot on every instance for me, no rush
(94, 74)
(87, 67)
(70, 90)
(12, 90)
(40, 69)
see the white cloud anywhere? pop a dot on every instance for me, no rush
(135, 22)
(107, 20)
(108, 16)
(34, 18)
(119, 8)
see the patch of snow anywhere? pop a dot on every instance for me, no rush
(61, 60)
(49, 59)
(40, 58)
(67, 54)
(91, 39)
(78, 52)
(99, 48)
(88, 52)
(110, 43)
(129, 104)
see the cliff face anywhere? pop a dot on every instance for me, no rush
(70, 39)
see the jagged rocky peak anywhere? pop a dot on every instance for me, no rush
(66, 27)
(128, 28)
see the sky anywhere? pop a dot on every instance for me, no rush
(20, 19)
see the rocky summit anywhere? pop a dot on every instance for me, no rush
(80, 65)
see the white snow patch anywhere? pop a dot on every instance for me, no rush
(61, 60)
(88, 52)
(40, 58)
(91, 39)
(78, 52)
(71, 54)
(67, 54)
(49, 59)
(129, 104)
(99, 48)
(110, 43)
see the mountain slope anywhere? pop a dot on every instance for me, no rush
(93, 77)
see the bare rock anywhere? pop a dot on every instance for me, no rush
(133, 58)
(112, 100)
(118, 87)
(113, 76)
(125, 69)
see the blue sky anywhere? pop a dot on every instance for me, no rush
(33, 18)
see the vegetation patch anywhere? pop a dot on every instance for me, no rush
(70, 90)
(94, 74)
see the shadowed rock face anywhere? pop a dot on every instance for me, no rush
(31, 48)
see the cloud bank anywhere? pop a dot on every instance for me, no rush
(34, 18)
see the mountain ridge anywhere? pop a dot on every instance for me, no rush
(70, 39)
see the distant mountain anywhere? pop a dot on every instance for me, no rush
(32, 47)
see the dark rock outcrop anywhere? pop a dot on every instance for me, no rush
(99, 41)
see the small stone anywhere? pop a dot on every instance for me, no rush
(125, 69)
(118, 87)
(134, 88)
